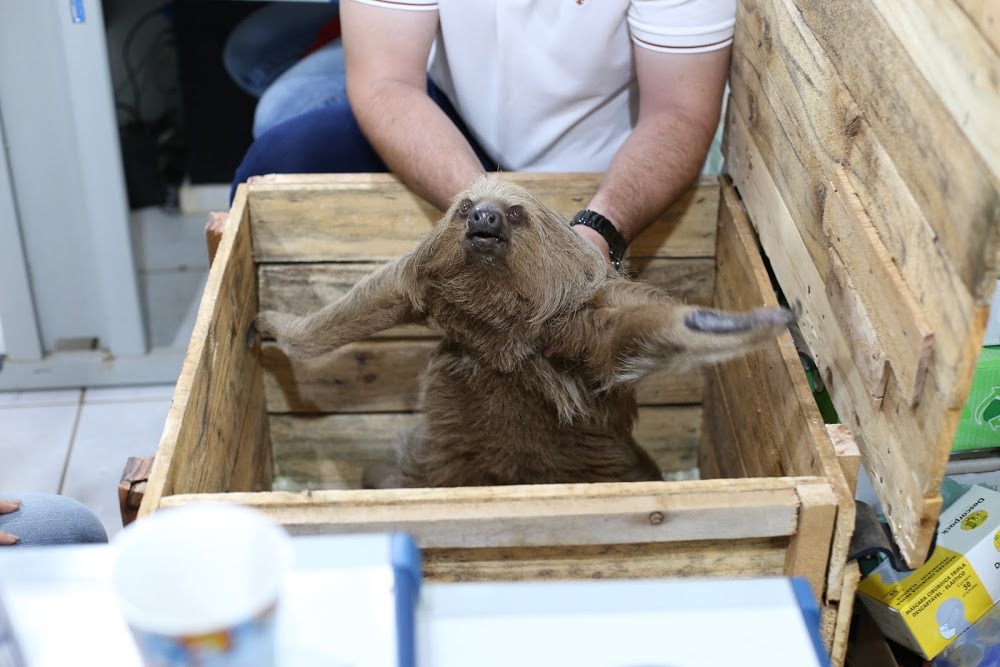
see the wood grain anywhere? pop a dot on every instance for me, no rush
(302, 288)
(958, 64)
(985, 14)
(881, 304)
(777, 425)
(760, 557)
(252, 465)
(905, 447)
(955, 189)
(847, 453)
(542, 514)
(132, 486)
(808, 553)
(374, 217)
(383, 376)
(804, 121)
(369, 376)
(836, 618)
(204, 447)
(719, 453)
(331, 451)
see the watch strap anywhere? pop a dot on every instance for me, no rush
(616, 242)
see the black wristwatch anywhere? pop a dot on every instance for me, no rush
(603, 226)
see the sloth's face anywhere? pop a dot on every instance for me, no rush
(498, 242)
(503, 224)
(490, 225)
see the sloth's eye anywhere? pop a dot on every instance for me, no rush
(515, 214)
(465, 207)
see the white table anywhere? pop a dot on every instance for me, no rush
(339, 608)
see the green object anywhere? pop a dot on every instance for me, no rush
(979, 425)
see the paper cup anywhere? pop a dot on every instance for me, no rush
(200, 585)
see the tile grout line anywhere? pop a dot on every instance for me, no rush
(72, 440)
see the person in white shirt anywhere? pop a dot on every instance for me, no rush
(443, 90)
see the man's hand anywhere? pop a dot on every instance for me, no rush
(6, 507)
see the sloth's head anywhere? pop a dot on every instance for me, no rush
(499, 242)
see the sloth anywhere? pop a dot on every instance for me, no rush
(542, 344)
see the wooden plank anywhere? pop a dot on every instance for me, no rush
(689, 279)
(670, 434)
(301, 288)
(886, 307)
(382, 376)
(808, 553)
(857, 324)
(950, 182)
(907, 448)
(775, 371)
(374, 217)
(543, 514)
(199, 441)
(985, 14)
(252, 465)
(331, 451)
(803, 120)
(719, 454)
(844, 612)
(782, 431)
(757, 437)
(132, 486)
(848, 453)
(762, 557)
(369, 376)
(958, 64)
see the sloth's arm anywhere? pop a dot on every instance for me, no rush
(634, 334)
(377, 302)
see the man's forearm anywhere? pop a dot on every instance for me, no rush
(416, 140)
(657, 164)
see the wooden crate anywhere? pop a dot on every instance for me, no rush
(291, 438)
(859, 161)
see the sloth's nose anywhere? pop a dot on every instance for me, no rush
(484, 219)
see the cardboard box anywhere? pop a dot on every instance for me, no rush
(925, 609)
(979, 425)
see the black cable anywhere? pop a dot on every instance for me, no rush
(152, 51)
(126, 46)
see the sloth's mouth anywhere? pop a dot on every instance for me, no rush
(484, 240)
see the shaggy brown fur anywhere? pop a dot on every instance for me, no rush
(543, 343)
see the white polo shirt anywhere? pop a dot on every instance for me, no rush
(549, 85)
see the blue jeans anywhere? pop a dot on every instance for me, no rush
(46, 518)
(264, 56)
(328, 141)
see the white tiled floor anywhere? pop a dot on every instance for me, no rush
(76, 441)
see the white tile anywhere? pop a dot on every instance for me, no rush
(107, 435)
(169, 299)
(203, 198)
(34, 443)
(22, 399)
(167, 241)
(182, 336)
(152, 392)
